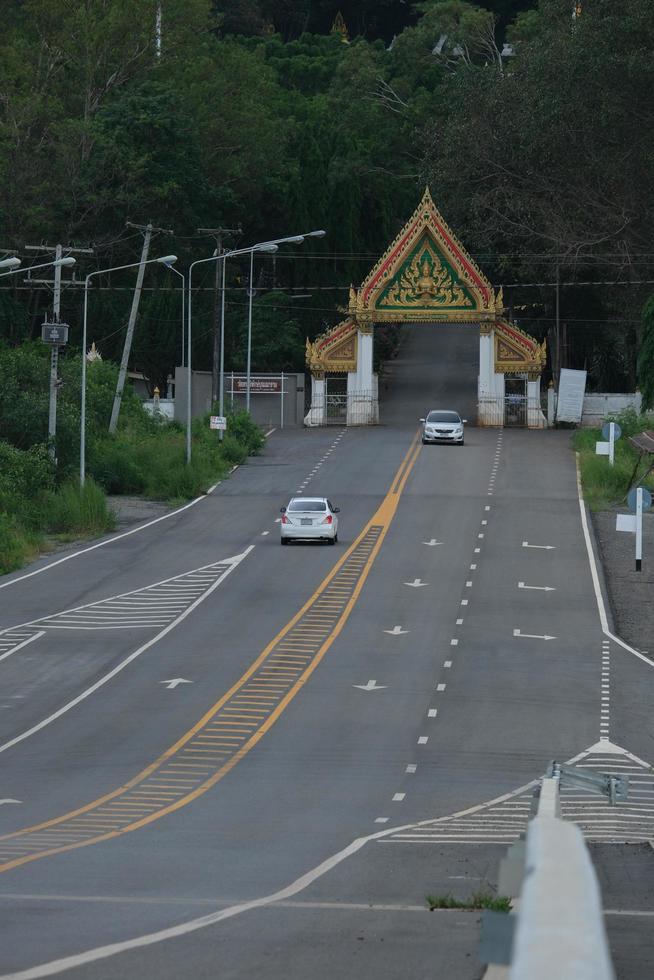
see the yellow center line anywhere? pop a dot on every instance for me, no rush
(356, 562)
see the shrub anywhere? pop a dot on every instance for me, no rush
(80, 510)
(114, 465)
(13, 545)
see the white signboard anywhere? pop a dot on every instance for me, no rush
(217, 422)
(625, 522)
(572, 387)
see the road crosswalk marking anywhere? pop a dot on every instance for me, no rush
(505, 819)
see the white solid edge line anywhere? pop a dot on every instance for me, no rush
(20, 646)
(124, 663)
(595, 577)
(183, 929)
(101, 544)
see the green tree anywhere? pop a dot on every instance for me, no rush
(646, 356)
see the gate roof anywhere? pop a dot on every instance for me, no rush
(425, 275)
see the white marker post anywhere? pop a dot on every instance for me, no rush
(639, 499)
(639, 528)
(611, 431)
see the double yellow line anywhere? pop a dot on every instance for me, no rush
(236, 722)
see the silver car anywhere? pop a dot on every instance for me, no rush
(309, 518)
(443, 426)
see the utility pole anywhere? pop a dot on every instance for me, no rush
(127, 347)
(218, 306)
(158, 29)
(54, 353)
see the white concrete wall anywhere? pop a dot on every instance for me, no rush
(166, 407)
(600, 404)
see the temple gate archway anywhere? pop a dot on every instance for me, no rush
(426, 276)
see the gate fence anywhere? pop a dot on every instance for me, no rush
(336, 408)
(512, 411)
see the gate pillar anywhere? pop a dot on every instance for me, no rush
(490, 385)
(362, 404)
(316, 414)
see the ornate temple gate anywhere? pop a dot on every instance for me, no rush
(426, 276)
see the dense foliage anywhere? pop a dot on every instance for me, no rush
(146, 455)
(533, 129)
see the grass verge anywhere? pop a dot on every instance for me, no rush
(476, 902)
(606, 486)
(144, 458)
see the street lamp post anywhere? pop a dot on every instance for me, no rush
(267, 247)
(181, 275)
(294, 239)
(263, 247)
(162, 260)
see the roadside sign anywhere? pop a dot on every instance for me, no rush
(217, 422)
(632, 498)
(639, 499)
(625, 522)
(606, 430)
(54, 333)
(610, 431)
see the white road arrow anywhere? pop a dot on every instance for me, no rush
(533, 636)
(396, 631)
(416, 584)
(171, 684)
(539, 588)
(544, 547)
(370, 686)
(10, 801)
(432, 543)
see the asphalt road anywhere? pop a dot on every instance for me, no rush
(192, 772)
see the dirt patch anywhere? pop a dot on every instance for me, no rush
(135, 510)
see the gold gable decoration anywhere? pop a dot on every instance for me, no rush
(334, 351)
(425, 275)
(516, 352)
(339, 27)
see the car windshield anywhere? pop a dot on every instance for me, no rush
(307, 505)
(443, 417)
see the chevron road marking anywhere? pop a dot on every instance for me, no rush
(503, 820)
(227, 567)
(14, 640)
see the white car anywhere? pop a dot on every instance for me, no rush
(443, 426)
(309, 518)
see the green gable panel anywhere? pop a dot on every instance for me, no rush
(426, 282)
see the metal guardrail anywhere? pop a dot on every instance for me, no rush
(557, 930)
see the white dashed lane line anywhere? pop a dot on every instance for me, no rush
(454, 641)
(317, 466)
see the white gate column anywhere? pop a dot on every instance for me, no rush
(490, 388)
(361, 387)
(535, 416)
(316, 414)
